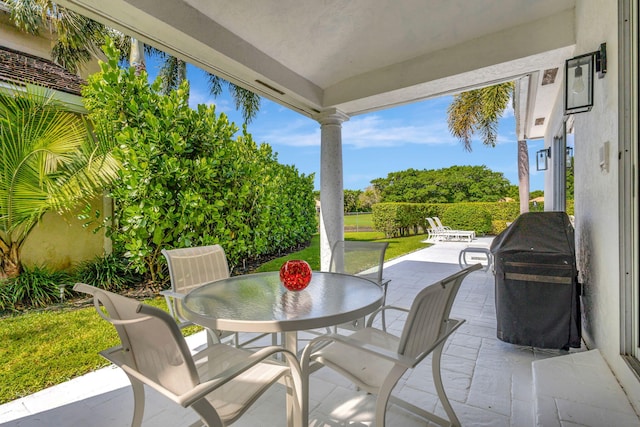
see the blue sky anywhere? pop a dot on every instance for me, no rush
(375, 144)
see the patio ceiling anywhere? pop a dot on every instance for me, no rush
(360, 55)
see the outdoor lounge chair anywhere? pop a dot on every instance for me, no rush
(439, 233)
(444, 227)
(220, 383)
(190, 268)
(374, 360)
(365, 259)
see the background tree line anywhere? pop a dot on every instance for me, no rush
(448, 185)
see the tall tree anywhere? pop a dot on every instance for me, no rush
(479, 111)
(80, 38)
(448, 185)
(49, 161)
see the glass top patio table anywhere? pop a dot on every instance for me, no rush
(259, 303)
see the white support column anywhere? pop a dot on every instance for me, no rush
(331, 182)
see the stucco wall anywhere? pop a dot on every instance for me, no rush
(61, 241)
(596, 195)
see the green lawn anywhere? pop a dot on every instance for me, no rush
(358, 220)
(43, 348)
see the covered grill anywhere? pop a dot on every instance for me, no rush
(537, 292)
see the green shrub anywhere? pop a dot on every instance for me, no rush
(110, 272)
(401, 219)
(35, 287)
(498, 226)
(190, 178)
(466, 216)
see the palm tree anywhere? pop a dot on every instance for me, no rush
(174, 72)
(49, 161)
(479, 111)
(78, 38)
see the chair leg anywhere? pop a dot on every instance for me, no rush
(437, 379)
(212, 337)
(384, 393)
(208, 414)
(138, 401)
(384, 302)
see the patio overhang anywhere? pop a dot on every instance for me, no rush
(355, 57)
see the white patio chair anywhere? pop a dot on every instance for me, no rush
(435, 233)
(220, 383)
(190, 268)
(365, 259)
(446, 228)
(375, 360)
(439, 233)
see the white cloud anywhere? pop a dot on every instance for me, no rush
(294, 133)
(373, 131)
(359, 132)
(197, 97)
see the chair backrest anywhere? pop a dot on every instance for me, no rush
(359, 258)
(438, 222)
(151, 340)
(432, 224)
(427, 318)
(190, 268)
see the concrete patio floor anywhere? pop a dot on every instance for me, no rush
(489, 382)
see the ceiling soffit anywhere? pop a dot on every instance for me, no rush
(358, 56)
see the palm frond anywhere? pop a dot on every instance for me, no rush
(172, 74)
(462, 117)
(215, 84)
(246, 101)
(479, 111)
(26, 15)
(48, 162)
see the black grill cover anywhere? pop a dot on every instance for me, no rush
(537, 292)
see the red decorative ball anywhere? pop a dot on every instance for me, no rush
(295, 274)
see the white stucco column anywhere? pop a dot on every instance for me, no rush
(331, 182)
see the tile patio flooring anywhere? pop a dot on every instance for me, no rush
(489, 382)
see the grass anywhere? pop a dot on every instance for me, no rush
(397, 246)
(43, 348)
(358, 220)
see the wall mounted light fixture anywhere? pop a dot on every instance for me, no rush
(569, 157)
(542, 159)
(578, 79)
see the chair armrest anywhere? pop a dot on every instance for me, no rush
(382, 309)
(451, 325)
(408, 362)
(171, 298)
(202, 389)
(381, 352)
(168, 293)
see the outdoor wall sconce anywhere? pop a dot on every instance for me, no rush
(568, 156)
(542, 159)
(578, 81)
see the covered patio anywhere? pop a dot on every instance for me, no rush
(333, 60)
(490, 383)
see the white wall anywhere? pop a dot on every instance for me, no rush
(596, 194)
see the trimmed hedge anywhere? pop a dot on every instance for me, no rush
(401, 219)
(189, 178)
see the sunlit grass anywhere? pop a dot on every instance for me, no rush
(397, 246)
(359, 220)
(43, 348)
